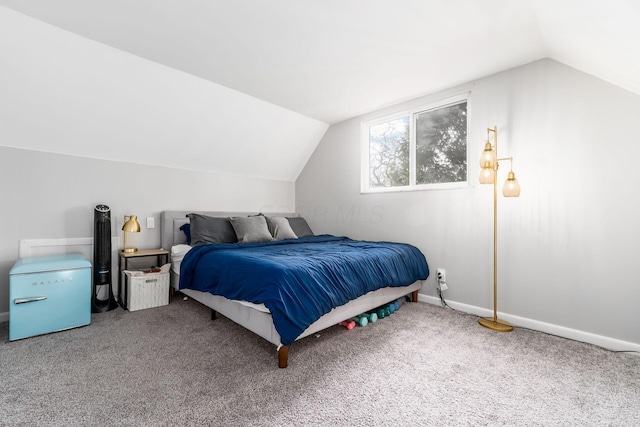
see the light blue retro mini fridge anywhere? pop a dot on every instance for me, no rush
(49, 294)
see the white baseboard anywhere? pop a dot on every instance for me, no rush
(561, 331)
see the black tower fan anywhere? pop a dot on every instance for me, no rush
(102, 261)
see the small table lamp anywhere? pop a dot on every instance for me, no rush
(131, 225)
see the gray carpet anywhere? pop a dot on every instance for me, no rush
(424, 365)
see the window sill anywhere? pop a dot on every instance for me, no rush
(432, 187)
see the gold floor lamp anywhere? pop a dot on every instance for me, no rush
(489, 162)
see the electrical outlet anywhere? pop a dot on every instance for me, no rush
(443, 287)
(441, 275)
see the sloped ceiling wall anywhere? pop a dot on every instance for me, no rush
(597, 37)
(247, 87)
(329, 60)
(62, 93)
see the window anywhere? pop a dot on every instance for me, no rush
(389, 153)
(422, 148)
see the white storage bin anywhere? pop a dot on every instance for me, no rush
(147, 290)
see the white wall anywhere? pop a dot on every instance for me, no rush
(205, 147)
(51, 196)
(568, 246)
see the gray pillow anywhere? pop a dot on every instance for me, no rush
(208, 229)
(279, 228)
(300, 226)
(251, 229)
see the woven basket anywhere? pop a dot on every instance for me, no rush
(147, 290)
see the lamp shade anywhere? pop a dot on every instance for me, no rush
(511, 188)
(132, 225)
(487, 174)
(488, 155)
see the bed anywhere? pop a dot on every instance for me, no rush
(255, 316)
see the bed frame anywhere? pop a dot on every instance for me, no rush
(258, 321)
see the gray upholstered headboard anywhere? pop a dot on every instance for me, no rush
(173, 220)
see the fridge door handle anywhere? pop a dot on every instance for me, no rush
(30, 299)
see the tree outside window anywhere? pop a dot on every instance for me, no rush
(433, 140)
(441, 145)
(389, 153)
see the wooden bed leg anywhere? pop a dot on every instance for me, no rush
(414, 296)
(283, 356)
(214, 315)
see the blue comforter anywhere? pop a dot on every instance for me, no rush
(299, 280)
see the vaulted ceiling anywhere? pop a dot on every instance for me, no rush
(335, 59)
(331, 60)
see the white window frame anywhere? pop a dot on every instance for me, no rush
(412, 113)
